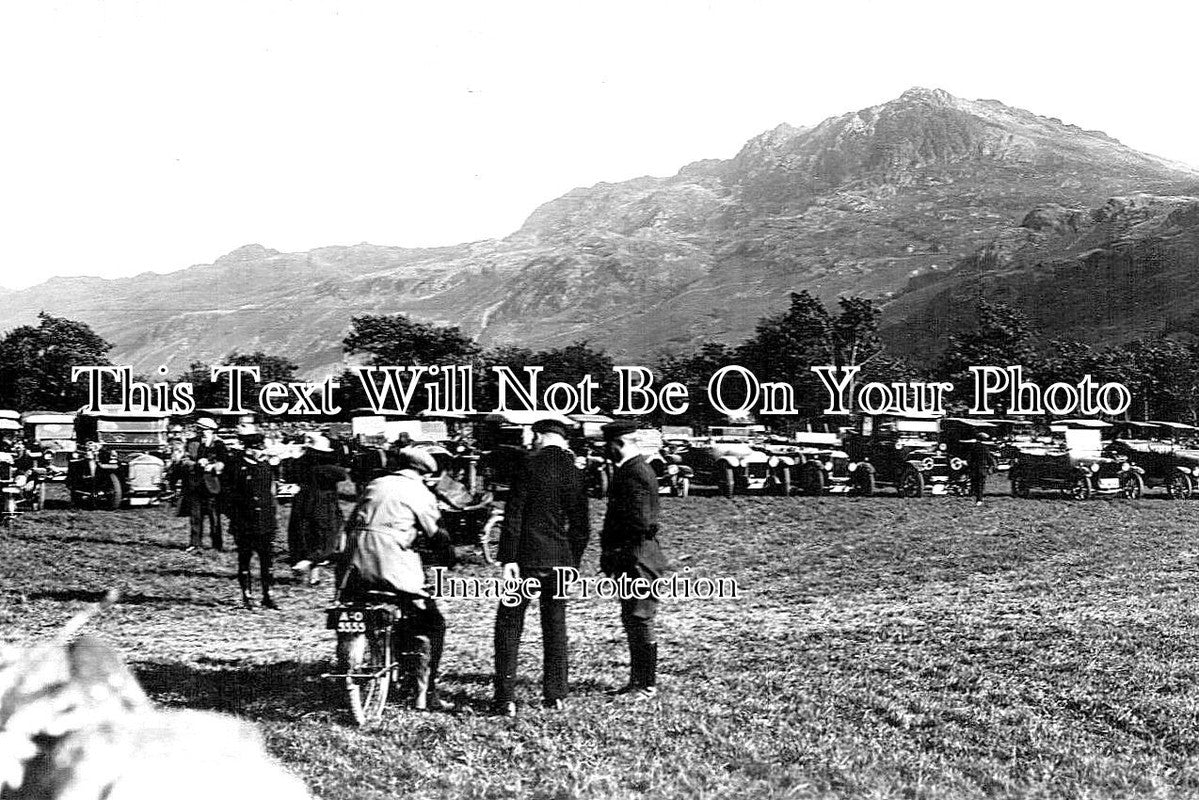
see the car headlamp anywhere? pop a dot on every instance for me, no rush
(672, 469)
(899, 445)
(773, 461)
(828, 466)
(1195, 471)
(942, 447)
(956, 463)
(1124, 466)
(1094, 467)
(926, 464)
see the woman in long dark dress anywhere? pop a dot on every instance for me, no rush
(316, 515)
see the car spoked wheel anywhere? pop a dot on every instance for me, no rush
(1180, 487)
(1081, 489)
(813, 481)
(911, 483)
(863, 480)
(489, 538)
(1132, 486)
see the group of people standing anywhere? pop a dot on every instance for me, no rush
(239, 484)
(546, 527)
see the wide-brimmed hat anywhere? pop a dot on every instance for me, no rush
(206, 423)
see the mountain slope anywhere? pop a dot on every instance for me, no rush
(860, 203)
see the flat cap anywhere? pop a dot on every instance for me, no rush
(207, 423)
(550, 426)
(618, 429)
(416, 459)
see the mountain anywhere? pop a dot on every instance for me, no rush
(1126, 269)
(872, 202)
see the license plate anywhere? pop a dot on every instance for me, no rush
(359, 619)
(140, 501)
(939, 488)
(839, 487)
(1109, 483)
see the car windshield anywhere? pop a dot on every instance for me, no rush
(917, 426)
(53, 430)
(130, 425)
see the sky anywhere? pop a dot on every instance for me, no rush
(156, 135)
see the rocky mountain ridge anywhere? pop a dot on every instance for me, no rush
(862, 203)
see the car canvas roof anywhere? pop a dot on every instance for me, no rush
(46, 418)
(118, 411)
(973, 423)
(7, 414)
(1178, 426)
(528, 417)
(1062, 424)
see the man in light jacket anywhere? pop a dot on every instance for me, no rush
(395, 510)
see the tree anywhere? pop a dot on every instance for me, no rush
(214, 394)
(562, 364)
(396, 340)
(694, 371)
(1001, 337)
(36, 363)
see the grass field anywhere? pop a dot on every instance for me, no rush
(881, 648)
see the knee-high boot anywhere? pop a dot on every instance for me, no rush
(264, 568)
(244, 580)
(422, 671)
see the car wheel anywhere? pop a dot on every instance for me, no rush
(112, 499)
(1020, 487)
(814, 480)
(728, 481)
(1180, 487)
(1081, 489)
(863, 480)
(784, 481)
(1132, 486)
(911, 483)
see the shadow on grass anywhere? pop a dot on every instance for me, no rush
(67, 538)
(281, 691)
(132, 599)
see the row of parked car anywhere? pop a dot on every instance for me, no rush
(919, 454)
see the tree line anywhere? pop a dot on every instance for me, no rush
(1161, 372)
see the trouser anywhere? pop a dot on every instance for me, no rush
(510, 623)
(428, 634)
(245, 554)
(205, 507)
(978, 484)
(637, 616)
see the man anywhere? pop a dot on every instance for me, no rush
(206, 456)
(545, 526)
(250, 504)
(396, 511)
(629, 546)
(980, 461)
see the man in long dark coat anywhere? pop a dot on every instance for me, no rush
(545, 526)
(206, 457)
(629, 546)
(249, 488)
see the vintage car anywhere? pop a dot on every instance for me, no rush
(130, 467)
(900, 450)
(21, 491)
(503, 439)
(10, 425)
(727, 458)
(47, 432)
(820, 465)
(959, 434)
(228, 423)
(588, 444)
(1074, 464)
(674, 477)
(1163, 453)
(1010, 434)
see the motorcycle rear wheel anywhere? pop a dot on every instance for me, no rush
(370, 655)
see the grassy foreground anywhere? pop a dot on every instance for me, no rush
(880, 648)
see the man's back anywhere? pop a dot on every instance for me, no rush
(545, 518)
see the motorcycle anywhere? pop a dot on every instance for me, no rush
(377, 645)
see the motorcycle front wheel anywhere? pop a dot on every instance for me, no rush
(366, 658)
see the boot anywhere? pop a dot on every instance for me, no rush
(267, 582)
(649, 677)
(244, 580)
(421, 673)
